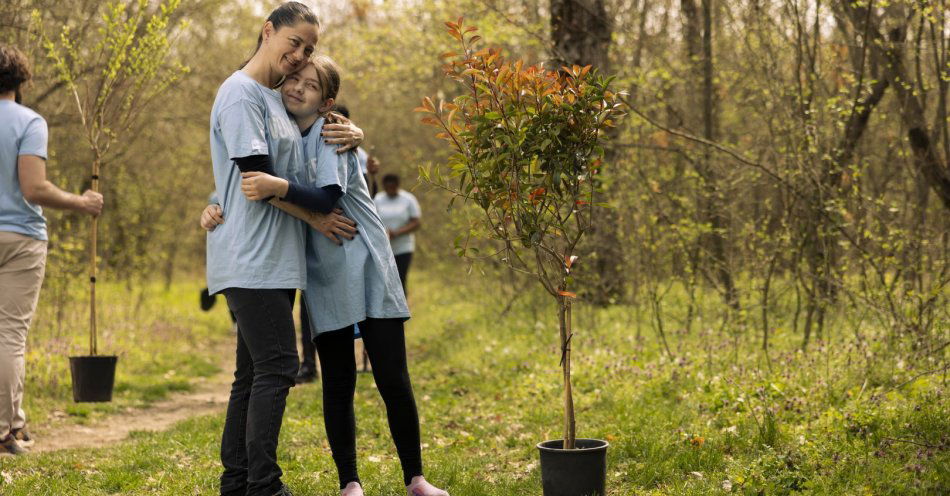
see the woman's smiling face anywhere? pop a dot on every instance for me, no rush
(302, 93)
(290, 46)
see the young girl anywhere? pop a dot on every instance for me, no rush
(349, 283)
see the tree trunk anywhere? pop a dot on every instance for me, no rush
(821, 248)
(698, 39)
(715, 212)
(889, 50)
(564, 314)
(581, 32)
(93, 266)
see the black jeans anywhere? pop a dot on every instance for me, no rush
(264, 373)
(402, 265)
(385, 342)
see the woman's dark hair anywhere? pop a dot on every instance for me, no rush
(14, 69)
(287, 14)
(391, 178)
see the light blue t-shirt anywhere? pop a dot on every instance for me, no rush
(363, 158)
(22, 132)
(348, 283)
(258, 246)
(397, 211)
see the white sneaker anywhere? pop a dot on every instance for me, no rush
(352, 489)
(419, 486)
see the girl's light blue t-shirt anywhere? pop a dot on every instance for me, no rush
(258, 246)
(22, 132)
(348, 283)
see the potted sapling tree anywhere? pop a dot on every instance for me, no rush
(528, 144)
(112, 80)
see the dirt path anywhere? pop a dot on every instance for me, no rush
(209, 396)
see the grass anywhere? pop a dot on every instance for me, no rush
(848, 417)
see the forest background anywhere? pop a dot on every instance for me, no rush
(826, 188)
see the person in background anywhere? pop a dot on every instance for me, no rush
(372, 168)
(23, 191)
(400, 213)
(308, 363)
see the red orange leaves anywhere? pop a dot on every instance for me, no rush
(535, 196)
(508, 120)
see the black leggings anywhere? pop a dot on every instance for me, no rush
(385, 342)
(402, 265)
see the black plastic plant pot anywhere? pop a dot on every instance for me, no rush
(93, 377)
(574, 472)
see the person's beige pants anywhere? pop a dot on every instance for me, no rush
(22, 263)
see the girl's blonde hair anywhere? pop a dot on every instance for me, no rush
(328, 74)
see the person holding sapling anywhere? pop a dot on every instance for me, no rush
(372, 170)
(24, 190)
(349, 283)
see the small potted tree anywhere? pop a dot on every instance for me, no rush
(112, 79)
(528, 146)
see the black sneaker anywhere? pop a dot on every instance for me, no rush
(284, 491)
(306, 374)
(10, 446)
(23, 437)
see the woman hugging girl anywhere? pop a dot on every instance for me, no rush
(347, 283)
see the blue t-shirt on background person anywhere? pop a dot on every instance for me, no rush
(259, 247)
(396, 211)
(22, 132)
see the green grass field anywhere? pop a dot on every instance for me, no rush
(846, 418)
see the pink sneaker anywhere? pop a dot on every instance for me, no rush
(352, 489)
(419, 486)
